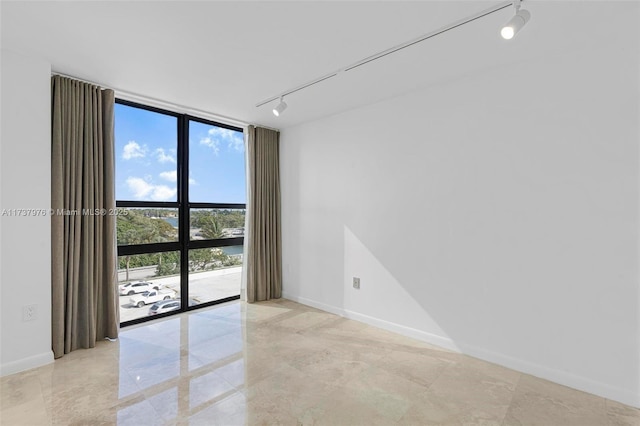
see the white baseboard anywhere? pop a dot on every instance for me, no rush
(318, 305)
(26, 363)
(557, 376)
(561, 377)
(443, 342)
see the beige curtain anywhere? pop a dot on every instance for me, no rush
(83, 227)
(264, 256)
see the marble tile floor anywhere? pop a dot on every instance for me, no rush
(282, 363)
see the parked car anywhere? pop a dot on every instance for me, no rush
(164, 306)
(151, 297)
(130, 289)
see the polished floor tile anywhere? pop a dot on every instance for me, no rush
(282, 363)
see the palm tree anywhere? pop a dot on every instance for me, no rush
(211, 228)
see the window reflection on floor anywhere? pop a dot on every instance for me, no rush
(185, 367)
(212, 340)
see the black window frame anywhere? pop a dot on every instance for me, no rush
(183, 206)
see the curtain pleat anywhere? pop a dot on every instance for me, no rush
(83, 226)
(264, 255)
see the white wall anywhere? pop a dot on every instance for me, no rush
(496, 214)
(25, 183)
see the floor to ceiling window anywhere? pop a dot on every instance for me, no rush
(181, 194)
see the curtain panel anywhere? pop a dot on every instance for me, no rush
(83, 220)
(264, 253)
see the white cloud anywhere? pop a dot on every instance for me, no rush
(171, 176)
(162, 193)
(133, 150)
(139, 187)
(222, 133)
(163, 157)
(214, 144)
(235, 140)
(237, 143)
(142, 189)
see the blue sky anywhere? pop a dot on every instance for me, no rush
(146, 154)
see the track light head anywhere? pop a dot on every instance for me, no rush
(515, 24)
(281, 107)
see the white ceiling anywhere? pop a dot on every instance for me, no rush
(225, 57)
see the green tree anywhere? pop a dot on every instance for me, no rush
(232, 218)
(211, 227)
(136, 227)
(225, 218)
(168, 263)
(223, 259)
(199, 259)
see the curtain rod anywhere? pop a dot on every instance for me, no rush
(134, 97)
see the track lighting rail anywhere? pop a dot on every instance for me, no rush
(393, 49)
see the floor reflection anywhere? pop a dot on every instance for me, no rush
(149, 355)
(279, 362)
(182, 367)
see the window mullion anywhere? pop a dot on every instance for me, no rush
(183, 198)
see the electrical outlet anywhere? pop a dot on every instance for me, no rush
(356, 283)
(29, 312)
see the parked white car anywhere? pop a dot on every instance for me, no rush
(130, 289)
(151, 297)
